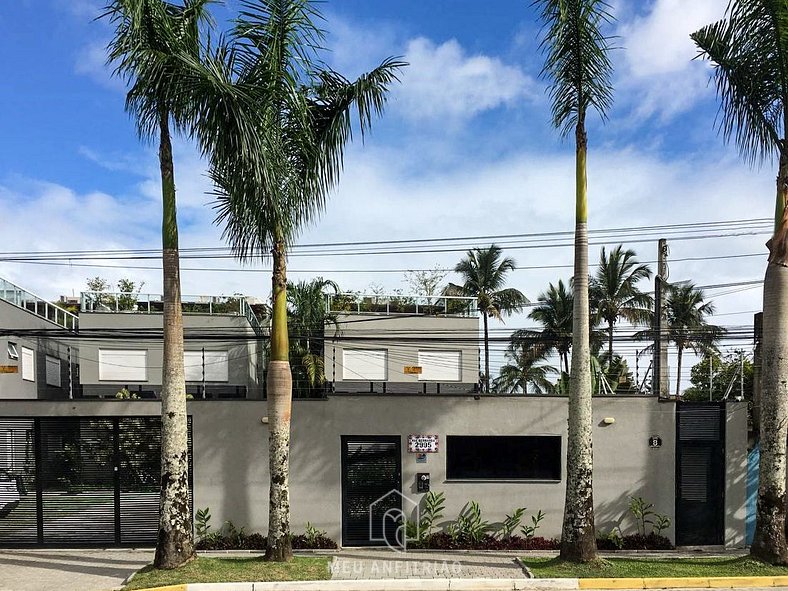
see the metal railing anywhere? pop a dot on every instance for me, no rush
(148, 303)
(389, 304)
(21, 298)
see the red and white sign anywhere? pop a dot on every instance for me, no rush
(421, 444)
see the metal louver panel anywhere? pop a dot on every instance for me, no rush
(700, 473)
(699, 423)
(371, 484)
(695, 473)
(18, 523)
(79, 481)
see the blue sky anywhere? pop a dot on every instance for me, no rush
(465, 147)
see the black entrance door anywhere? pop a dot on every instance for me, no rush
(371, 490)
(700, 474)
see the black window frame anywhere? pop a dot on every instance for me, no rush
(544, 465)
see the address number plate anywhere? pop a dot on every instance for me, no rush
(423, 443)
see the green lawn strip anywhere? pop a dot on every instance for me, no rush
(229, 570)
(742, 566)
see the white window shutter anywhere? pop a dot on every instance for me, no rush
(128, 365)
(365, 364)
(53, 371)
(440, 366)
(28, 365)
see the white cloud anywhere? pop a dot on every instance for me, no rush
(91, 61)
(443, 81)
(658, 75)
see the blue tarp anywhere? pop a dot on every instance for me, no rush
(752, 491)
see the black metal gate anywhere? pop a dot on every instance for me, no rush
(80, 481)
(371, 490)
(700, 474)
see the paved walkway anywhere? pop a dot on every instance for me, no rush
(68, 570)
(357, 564)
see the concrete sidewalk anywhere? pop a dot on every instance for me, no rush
(68, 570)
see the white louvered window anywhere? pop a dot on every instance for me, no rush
(28, 365)
(217, 366)
(123, 365)
(364, 364)
(440, 366)
(53, 371)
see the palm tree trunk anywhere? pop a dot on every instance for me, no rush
(769, 543)
(609, 343)
(175, 545)
(578, 538)
(486, 355)
(565, 355)
(279, 388)
(679, 351)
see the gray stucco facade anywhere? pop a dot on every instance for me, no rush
(231, 458)
(15, 380)
(404, 338)
(228, 333)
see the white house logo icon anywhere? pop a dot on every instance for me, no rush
(388, 515)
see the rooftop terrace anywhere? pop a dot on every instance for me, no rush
(391, 304)
(148, 303)
(21, 298)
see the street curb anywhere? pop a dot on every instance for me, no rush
(488, 584)
(683, 582)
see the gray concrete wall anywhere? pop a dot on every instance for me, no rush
(244, 353)
(12, 386)
(391, 332)
(231, 458)
(735, 473)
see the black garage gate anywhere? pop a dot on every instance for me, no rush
(80, 481)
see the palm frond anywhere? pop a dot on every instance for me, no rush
(577, 61)
(749, 51)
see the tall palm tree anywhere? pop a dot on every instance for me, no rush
(153, 44)
(554, 312)
(579, 68)
(749, 50)
(686, 323)
(615, 294)
(484, 271)
(524, 370)
(309, 320)
(266, 198)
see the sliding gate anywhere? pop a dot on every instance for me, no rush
(80, 481)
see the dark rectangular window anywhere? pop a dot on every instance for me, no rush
(503, 457)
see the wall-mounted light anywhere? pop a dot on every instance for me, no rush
(609, 420)
(264, 420)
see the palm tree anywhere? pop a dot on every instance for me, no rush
(749, 50)
(153, 44)
(308, 319)
(484, 275)
(554, 312)
(522, 371)
(615, 294)
(686, 324)
(266, 198)
(578, 65)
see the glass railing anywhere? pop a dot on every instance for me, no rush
(148, 303)
(401, 304)
(34, 304)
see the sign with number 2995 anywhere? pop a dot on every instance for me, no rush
(423, 443)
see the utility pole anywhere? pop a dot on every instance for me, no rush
(660, 364)
(711, 375)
